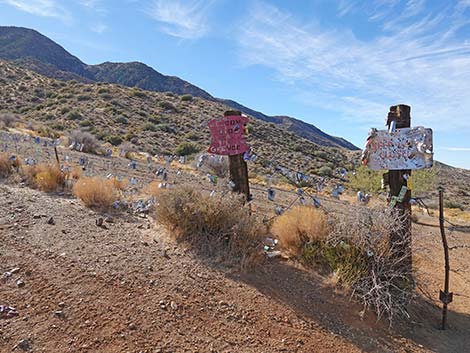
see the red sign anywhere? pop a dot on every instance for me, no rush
(227, 135)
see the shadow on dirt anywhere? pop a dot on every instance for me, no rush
(311, 299)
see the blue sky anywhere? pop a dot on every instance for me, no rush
(337, 64)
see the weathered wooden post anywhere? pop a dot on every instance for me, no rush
(400, 149)
(398, 118)
(227, 139)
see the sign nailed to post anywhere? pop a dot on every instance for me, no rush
(406, 148)
(227, 135)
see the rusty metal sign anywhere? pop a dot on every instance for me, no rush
(407, 148)
(227, 135)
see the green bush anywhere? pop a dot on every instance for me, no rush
(167, 105)
(114, 140)
(325, 171)
(74, 115)
(138, 93)
(149, 127)
(186, 148)
(366, 180)
(121, 119)
(186, 98)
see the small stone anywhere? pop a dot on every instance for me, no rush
(99, 222)
(15, 270)
(132, 326)
(36, 216)
(24, 345)
(51, 221)
(109, 220)
(20, 283)
(61, 304)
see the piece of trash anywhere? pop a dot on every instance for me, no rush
(272, 254)
(20, 283)
(7, 312)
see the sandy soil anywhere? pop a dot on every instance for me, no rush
(128, 287)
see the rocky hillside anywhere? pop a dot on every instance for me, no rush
(34, 51)
(155, 122)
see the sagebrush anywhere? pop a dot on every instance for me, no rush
(214, 225)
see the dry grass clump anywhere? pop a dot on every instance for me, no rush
(219, 225)
(96, 192)
(153, 189)
(6, 165)
(45, 177)
(299, 226)
(119, 184)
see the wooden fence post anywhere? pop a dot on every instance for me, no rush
(238, 167)
(399, 117)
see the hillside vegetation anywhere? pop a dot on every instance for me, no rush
(155, 122)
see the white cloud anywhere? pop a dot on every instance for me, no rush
(184, 19)
(44, 8)
(99, 28)
(420, 63)
(457, 149)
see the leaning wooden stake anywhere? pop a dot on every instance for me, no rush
(444, 296)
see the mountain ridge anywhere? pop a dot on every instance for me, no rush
(34, 51)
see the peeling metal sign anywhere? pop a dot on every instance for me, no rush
(227, 135)
(407, 148)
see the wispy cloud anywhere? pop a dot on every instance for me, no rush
(99, 28)
(421, 63)
(457, 149)
(183, 19)
(44, 8)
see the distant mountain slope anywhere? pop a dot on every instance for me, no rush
(140, 75)
(34, 51)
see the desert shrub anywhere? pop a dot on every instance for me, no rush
(64, 110)
(6, 165)
(89, 142)
(85, 123)
(193, 136)
(119, 184)
(364, 261)
(96, 192)
(217, 165)
(366, 180)
(74, 116)
(299, 226)
(453, 204)
(45, 177)
(138, 93)
(7, 119)
(83, 97)
(186, 148)
(218, 224)
(325, 171)
(167, 105)
(424, 181)
(121, 119)
(149, 127)
(114, 140)
(186, 98)
(153, 189)
(166, 128)
(127, 149)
